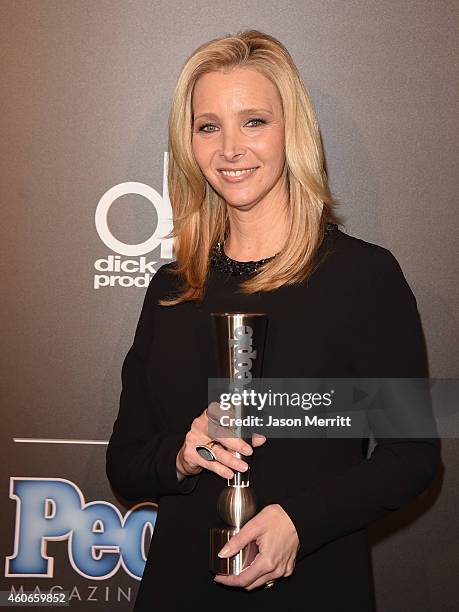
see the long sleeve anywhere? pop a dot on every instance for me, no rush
(140, 460)
(386, 340)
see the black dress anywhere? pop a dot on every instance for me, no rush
(355, 317)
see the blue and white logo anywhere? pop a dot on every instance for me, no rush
(99, 539)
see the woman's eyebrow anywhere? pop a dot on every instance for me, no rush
(245, 111)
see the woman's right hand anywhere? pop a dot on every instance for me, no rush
(189, 462)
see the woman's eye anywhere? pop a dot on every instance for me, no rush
(257, 120)
(206, 125)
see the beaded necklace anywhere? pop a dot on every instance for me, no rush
(223, 263)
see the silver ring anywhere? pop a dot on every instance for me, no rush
(206, 452)
(269, 584)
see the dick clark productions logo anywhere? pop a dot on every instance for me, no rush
(130, 267)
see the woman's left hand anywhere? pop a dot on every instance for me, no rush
(278, 543)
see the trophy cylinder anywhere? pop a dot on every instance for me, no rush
(239, 342)
(239, 339)
(236, 505)
(234, 565)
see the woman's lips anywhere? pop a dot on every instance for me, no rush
(236, 176)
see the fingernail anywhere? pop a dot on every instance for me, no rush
(224, 552)
(244, 467)
(248, 450)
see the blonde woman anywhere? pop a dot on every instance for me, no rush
(254, 231)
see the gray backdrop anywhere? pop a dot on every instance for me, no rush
(86, 88)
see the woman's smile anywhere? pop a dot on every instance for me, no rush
(236, 176)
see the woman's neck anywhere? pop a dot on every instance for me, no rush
(257, 233)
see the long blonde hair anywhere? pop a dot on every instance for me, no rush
(200, 218)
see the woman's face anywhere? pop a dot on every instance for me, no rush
(238, 136)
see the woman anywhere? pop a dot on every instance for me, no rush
(254, 231)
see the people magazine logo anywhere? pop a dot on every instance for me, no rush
(130, 266)
(98, 538)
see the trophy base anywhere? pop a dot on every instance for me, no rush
(234, 565)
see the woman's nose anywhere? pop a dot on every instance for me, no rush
(231, 144)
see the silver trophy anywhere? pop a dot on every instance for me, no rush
(239, 343)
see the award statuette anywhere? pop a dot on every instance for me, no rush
(239, 343)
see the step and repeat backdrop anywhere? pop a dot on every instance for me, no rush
(86, 92)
